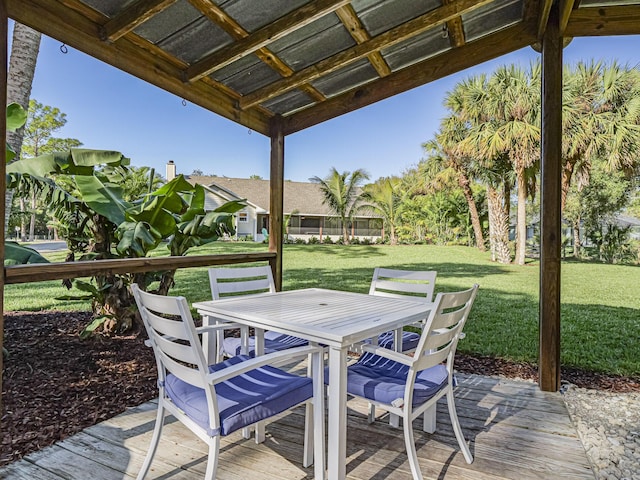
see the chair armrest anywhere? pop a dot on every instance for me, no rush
(388, 353)
(219, 326)
(272, 359)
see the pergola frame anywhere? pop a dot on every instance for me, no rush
(114, 41)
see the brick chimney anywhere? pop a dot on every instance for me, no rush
(171, 170)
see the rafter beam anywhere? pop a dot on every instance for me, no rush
(566, 7)
(396, 35)
(604, 21)
(352, 23)
(138, 13)
(455, 30)
(234, 29)
(56, 21)
(543, 17)
(262, 37)
(492, 46)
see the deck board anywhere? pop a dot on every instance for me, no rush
(515, 432)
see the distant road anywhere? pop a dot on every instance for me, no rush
(48, 246)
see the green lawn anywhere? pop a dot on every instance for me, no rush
(600, 303)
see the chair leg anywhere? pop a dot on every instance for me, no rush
(411, 447)
(307, 457)
(372, 413)
(317, 426)
(212, 460)
(456, 427)
(429, 419)
(155, 439)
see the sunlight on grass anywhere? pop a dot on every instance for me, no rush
(600, 303)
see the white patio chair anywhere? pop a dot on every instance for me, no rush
(407, 284)
(214, 401)
(227, 282)
(409, 386)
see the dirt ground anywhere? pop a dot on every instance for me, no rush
(56, 384)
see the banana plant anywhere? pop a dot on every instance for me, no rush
(83, 189)
(16, 118)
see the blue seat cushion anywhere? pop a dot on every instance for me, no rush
(409, 340)
(273, 342)
(242, 400)
(383, 380)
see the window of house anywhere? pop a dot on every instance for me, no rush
(243, 217)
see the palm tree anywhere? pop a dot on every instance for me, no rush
(470, 102)
(512, 102)
(444, 156)
(601, 115)
(386, 197)
(22, 65)
(342, 194)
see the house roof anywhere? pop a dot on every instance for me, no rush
(302, 62)
(303, 197)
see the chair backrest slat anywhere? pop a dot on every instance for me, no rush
(186, 373)
(178, 351)
(442, 330)
(239, 281)
(174, 339)
(401, 283)
(167, 326)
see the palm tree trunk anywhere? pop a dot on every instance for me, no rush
(345, 235)
(463, 180)
(32, 222)
(521, 219)
(567, 174)
(23, 227)
(25, 46)
(498, 226)
(576, 239)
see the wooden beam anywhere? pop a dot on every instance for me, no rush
(58, 271)
(350, 20)
(4, 47)
(276, 198)
(391, 37)
(470, 54)
(550, 205)
(57, 21)
(566, 7)
(603, 21)
(233, 28)
(543, 17)
(455, 30)
(136, 14)
(261, 38)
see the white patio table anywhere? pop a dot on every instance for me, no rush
(334, 318)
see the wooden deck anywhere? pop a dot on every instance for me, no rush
(516, 432)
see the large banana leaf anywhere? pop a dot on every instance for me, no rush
(105, 199)
(77, 161)
(16, 117)
(16, 254)
(137, 239)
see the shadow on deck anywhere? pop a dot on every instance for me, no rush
(515, 432)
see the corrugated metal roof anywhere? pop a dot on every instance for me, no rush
(306, 60)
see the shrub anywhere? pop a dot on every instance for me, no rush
(328, 240)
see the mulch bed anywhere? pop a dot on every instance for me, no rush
(56, 384)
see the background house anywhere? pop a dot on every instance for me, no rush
(303, 206)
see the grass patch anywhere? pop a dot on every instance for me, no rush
(600, 303)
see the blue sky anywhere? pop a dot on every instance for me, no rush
(110, 109)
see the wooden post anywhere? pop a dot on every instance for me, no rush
(551, 214)
(276, 196)
(4, 45)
